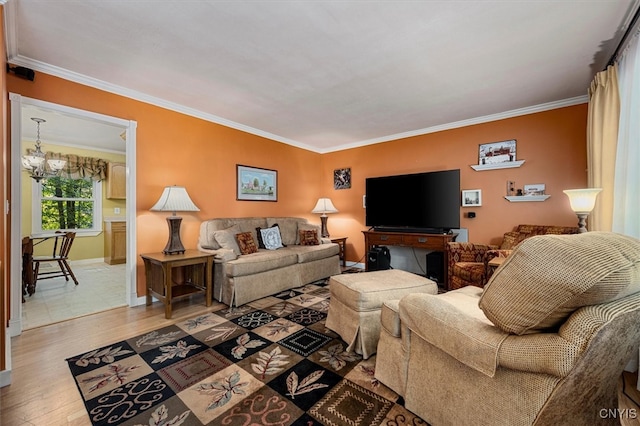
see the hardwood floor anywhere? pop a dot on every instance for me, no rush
(42, 390)
(44, 393)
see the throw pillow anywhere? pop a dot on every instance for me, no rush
(271, 238)
(309, 237)
(226, 238)
(261, 241)
(307, 227)
(246, 243)
(548, 277)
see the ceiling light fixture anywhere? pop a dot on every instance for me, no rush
(35, 163)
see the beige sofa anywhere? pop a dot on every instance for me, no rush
(241, 278)
(544, 343)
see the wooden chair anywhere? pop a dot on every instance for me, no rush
(28, 283)
(60, 255)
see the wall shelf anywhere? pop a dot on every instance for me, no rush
(521, 198)
(505, 165)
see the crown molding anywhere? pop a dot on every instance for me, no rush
(469, 122)
(122, 91)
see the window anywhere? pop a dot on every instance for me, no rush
(67, 204)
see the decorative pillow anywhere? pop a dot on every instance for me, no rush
(548, 277)
(261, 241)
(288, 228)
(307, 227)
(226, 238)
(309, 237)
(246, 243)
(271, 237)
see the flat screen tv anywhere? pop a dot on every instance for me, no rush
(420, 202)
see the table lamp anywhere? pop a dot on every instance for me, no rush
(174, 199)
(324, 206)
(582, 203)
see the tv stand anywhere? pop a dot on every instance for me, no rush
(433, 242)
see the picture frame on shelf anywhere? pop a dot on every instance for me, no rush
(256, 184)
(497, 152)
(472, 198)
(534, 189)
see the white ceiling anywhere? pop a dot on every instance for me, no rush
(326, 75)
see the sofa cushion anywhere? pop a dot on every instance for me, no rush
(271, 237)
(288, 228)
(246, 243)
(263, 260)
(548, 277)
(310, 253)
(469, 271)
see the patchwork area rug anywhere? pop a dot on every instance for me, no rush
(270, 362)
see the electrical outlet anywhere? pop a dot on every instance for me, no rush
(116, 210)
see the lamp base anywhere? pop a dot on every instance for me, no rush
(324, 232)
(582, 222)
(174, 245)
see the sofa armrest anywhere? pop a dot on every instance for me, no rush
(547, 353)
(220, 255)
(454, 323)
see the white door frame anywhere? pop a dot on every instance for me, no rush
(17, 101)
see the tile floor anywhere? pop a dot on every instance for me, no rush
(101, 287)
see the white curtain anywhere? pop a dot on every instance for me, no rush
(626, 190)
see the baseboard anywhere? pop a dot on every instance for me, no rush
(5, 375)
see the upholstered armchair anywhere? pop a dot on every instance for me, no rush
(487, 357)
(468, 263)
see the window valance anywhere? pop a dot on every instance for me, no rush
(78, 167)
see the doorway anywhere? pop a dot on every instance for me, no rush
(22, 108)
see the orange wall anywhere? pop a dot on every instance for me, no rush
(176, 149)
(173, 148)
(552, 143)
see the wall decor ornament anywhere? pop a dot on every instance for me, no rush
(472, 198)
(256, 184)
(342, 178)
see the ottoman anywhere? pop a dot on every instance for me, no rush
(356, 300)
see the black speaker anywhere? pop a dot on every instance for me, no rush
(22, 72)
(378, 259)
(435, 266)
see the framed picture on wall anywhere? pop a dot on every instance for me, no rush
(471, 198)
(255, 184)
(342, 178)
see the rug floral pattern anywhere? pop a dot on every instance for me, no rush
(270, 362)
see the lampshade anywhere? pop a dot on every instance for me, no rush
(175, 199)
(582, 200)
(324, 205)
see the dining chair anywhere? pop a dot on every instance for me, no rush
(60, 255)
(28, 285)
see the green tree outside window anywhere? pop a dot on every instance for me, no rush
(67, 203)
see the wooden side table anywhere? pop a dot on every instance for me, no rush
(342, 242)
(160, 271)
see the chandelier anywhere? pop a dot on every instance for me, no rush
(34, 162)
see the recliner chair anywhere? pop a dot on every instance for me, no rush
(544, 343)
